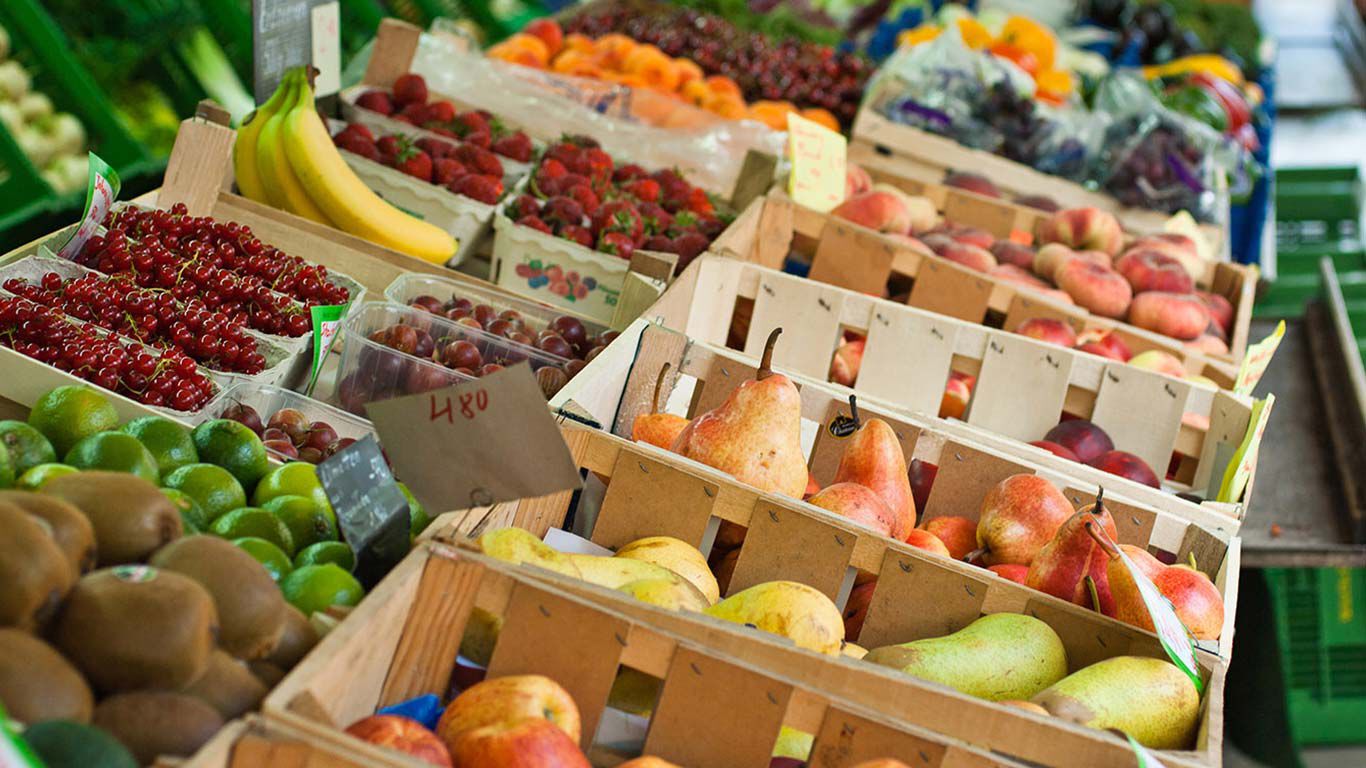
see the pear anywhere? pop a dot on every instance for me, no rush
(997, 657)
(518, 545)
(1193, 596)
(655, 428)
(1061, 567)
(674, 594)
(1149, 699)
(858, 504)
(678, 556)
(755, 435)
(800, 613)
(873, 459)
(616, 572)
(1019, 516)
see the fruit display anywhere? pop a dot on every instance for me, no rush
(464, 169)
(291, 426)
(1020, 40)
(54, 142)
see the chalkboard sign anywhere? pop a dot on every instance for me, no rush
(281, 38)
(371, 510)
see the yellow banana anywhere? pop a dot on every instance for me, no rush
(277, 176)
(336, 189)
(244, 148)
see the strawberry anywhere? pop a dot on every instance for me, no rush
(699, 203)
(585, 197)
(376, 101)
(617, 243)
(470, 122)
(415, 163)
(357, 129)
(410, 89)
(525, 205)
(359, 146)
(687, 246)
(446, 170)
(571, 180)
(564, 210)
(443, 131)
(672, 183)
(390, 146)
(581, 235)
(568, 154)
(485, 189)
(435, 147)
(479, 139)
(657, 220)
(535, 223)
(659, 243)
(599, 163)
(440, 112)
(552, 169)
(644, 190)
(516, 146)
(416, 113)
(479, 160)
(628, 172)
(710, 226)
(619, 216)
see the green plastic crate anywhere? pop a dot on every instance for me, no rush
(1320, 616)
(1318, 214)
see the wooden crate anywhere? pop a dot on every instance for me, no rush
(254, 742)
(851, 256)
(714, 709)
(1022, 384)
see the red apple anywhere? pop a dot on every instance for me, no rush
(535, 743)
(1085, 440)
(509, 700)
(403, 734)
(921, 474)
(1127, 465)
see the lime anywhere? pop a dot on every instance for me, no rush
(169, 442)
(335, 552)
(27, 446)
(254, 521)
(67, 414)
(307, 523)
(296, 478)
(191, 514)
(36, 477)
(115, 452)
(234, 447)
(314, 588)
(214, 488)
(418, 519)
(266, 553)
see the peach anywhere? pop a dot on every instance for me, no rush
(856, 180)
(923, 214)
(972, 236)
(1014, 274)
(877, 210)
(1097, 288)
(1055, 449)
(937, 242)
(1084, 229)
(1179, 247)
(927, 541)
(972, 182)
(970, 256)
(1178, 315)
(1125, 464)
(1220, 310)
(1105, 344)
(1013, 253)
(1208, 344)
(921, 473)
(1048, 329)
(845, 364)
(959, 534)
(1052, 256)
(1159, 361)
(1010, 572)
(856, 609)
(857, 504)
(1042, 202)
(954, 403)
(1148, 270)
(1086, 441)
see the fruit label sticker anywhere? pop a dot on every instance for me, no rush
(325, 23)
(135, 574)
(1175, 638)
(476, 443)
(101, 190)
(818, 160)
(1146, 759)
(372, 511)
(1244, 462)
(326, 322)
(1256, 362)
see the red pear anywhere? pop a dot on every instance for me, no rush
(1019, 516)
(873, 458)
(1193, 596)
(657, 428)
(858, 504)
(1015, 573)
(1061, 567)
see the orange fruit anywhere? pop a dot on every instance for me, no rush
(727, 105)
(688, 71)
(822, 116)
(723, 84)
(695, 92)
(568, 60)
(771, 113)
(577, 42)
(613, 49)
(547, 31)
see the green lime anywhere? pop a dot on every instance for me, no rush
(116, 452)
(314, 588)
(191, 513)
(36, 477)
(234, 447)
(169, 442)
(272, 557)
(418, 519)
(307, 523)
(27, 446)
(254, 521)
(214, 488)
(296, 478)
(335, 552)
(67, 414)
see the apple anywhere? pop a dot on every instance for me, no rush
(403, 734)
(1126, 464)
(845, 364)
(1086, 441)
(957, 393)
(533, 743)
(921, 474)
(508, 700)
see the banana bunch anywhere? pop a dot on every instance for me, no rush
(284, 157)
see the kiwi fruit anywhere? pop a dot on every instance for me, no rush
(298, 639)
(134, 626)
(155, 723)
(34, 572)
(70, 528)
(251, 609)
(132, 518)
(229, 687)
(269, 674)
(64, 744)
(37, 684)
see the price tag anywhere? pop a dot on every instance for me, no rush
(1257, 360)
(326, 32)
(1175, 638)
(818, 159)
(372, 511)
(326, 322)
(476, 443)
(1244, 461)
(281, 39)
(101, 190)
(1146, 759)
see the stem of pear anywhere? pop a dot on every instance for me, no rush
(659, 384)
(1102, 540)
(853, 411)
(766, 362)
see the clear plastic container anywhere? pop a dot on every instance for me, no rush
(371, 370)
(539, 316)
(266, 399)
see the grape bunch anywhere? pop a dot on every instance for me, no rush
(165, 379)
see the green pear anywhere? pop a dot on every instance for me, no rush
(518, 545)
(1149, 699)
(997, 657)
(800, 613)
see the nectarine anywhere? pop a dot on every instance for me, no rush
(1178, 315)
(1048, 329)
(1084, 229)
(1097, 288)
(1148, 270)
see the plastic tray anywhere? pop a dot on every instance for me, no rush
(372, 371)
(266, 399)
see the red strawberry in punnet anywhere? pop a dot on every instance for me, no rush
(415, 163)
(440, 112)
(585, 197)
(416, 113)
(515, 146)
(599, 163)
(616, 243)
(578, 234)
(661, 243)
(470, 122)
(359, 146)
(564, 210)
(485, 189)
(699, 203)
(644, 190)
(688, 246)
(535, 223)
(389, 146)
(524, 205)
(619, 216)
(657, 220)
(437, 148)
(628, 172)
(410, 89)
(357, 129)
(376, 101)
(446, 170)
(479, 160)
(480, 139)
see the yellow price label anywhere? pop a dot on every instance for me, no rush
(1244, 461)
(1257, 360)
(818, 164)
